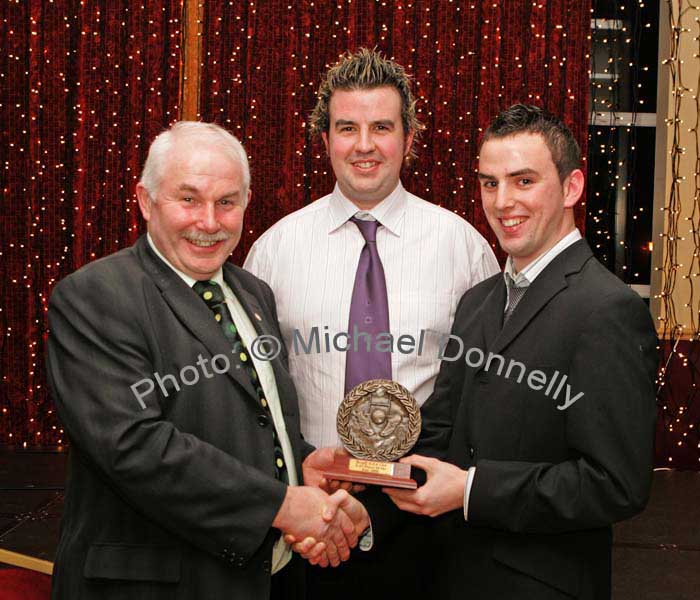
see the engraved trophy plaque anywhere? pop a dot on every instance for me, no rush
(378, 422)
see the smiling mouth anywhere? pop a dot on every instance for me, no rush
(512, 222)
(365, 164)
(203, 244)
(203, 240)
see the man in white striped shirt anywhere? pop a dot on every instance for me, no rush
(430, 256)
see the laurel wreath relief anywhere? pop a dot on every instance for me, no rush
(354, 444)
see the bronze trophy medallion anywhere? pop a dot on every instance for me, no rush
(378, 422)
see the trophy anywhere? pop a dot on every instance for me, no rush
(378, 422)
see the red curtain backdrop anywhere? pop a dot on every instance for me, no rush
(85, 87)
(262, 64)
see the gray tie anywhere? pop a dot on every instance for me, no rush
(515, 294)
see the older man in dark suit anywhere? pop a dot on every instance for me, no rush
(539, 434)
(186, 451)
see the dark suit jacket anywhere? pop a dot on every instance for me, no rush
(549, 483)
(175, 500)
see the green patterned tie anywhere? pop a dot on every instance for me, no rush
(213, 296)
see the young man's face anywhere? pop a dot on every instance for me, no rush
(366, 143)
(525, 203)
(196, 219)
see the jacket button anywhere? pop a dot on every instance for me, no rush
(263, 421)
(267, 566)
(471, 451)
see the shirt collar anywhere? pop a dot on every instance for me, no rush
(389, 212)
(527, 275)
(218, 276)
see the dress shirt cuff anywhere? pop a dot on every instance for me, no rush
(367, 539)
(467, 490)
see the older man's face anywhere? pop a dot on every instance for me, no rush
(196, 218)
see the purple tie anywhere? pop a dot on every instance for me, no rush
(369, 313)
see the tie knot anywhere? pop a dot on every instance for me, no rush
(516, 283)
(368, 229)
(210, 292)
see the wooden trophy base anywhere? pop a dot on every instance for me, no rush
(372, 472)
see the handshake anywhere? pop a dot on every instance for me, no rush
(320, 519)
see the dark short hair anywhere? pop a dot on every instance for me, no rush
(365, 69)
(523, 118)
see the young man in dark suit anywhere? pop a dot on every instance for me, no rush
(539, 434)
(185, 445)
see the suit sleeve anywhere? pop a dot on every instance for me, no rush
(98, 348)
(610, 434)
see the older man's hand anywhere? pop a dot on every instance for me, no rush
(315, 549)
(309, 512)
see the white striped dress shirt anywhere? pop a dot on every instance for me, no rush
(309, 258)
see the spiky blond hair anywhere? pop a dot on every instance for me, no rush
(365, 69)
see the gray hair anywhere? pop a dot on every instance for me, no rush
(194, 130)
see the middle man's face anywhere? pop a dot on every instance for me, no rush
(366, 143)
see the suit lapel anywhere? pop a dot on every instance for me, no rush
(546, 286)
(256, 314)
(248, 301)
(191, 311)
(493, 308)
